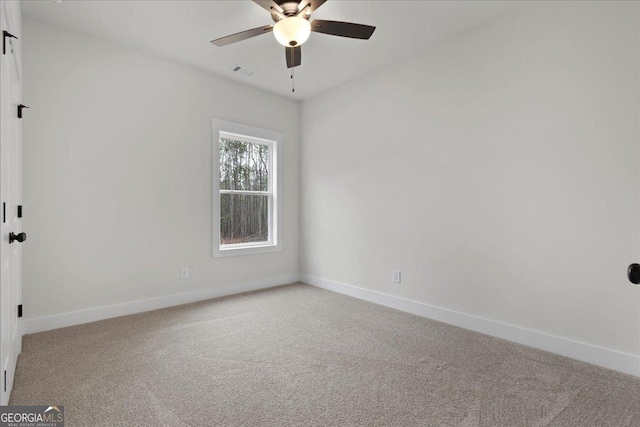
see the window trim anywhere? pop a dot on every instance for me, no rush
(256, 135)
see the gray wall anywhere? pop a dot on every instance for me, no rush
(118, 174)
(498, 171)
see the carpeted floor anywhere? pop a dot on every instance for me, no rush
(301, 356)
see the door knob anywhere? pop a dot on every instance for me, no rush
(633, 273)
(20, 237)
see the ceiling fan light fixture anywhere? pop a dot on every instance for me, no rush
(292, 31)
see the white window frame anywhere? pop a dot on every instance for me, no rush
(254, 135)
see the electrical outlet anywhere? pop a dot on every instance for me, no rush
(396, 276)
(184, 273)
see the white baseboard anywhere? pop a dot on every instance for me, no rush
(618, 361)
(57, 321)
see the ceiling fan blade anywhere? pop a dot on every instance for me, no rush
(342, 29)
(268, 5)
(223, 41)
(294, 56)
(313, 4)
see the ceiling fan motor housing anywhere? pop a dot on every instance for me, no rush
(289, 8)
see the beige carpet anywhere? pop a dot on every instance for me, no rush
(301, 356)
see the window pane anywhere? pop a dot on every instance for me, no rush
(244, 218)
(243, 166)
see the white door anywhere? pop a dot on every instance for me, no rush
(10, 199)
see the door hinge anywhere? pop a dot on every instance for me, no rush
(19, 211)
(5, 380)
(20, 108)
(20, 310)
(4, 212)
(6, 34)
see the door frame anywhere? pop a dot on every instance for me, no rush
(10, 20)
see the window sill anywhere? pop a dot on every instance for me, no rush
(232, 250)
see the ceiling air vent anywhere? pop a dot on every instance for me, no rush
(244, 71)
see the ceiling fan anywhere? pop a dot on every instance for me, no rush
(292, 27)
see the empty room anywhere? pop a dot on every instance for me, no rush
(319, 213)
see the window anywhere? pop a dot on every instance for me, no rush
(245, 189)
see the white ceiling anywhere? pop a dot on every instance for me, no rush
(181, 30)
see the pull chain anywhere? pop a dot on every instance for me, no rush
(293, 82)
